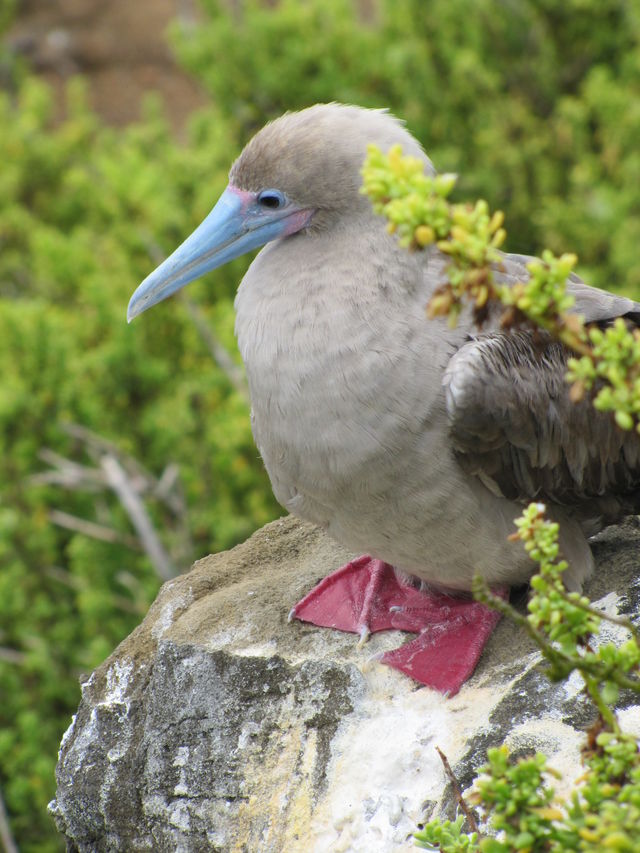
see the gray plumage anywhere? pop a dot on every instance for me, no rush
(404, 438)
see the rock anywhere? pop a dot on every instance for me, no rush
(216, 725)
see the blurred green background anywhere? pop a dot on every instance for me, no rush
(535, 104)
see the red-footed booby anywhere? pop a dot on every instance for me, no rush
(411, 441)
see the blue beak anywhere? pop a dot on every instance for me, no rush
(237, 224)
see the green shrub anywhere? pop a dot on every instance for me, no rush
(84, 213)
(534, 104)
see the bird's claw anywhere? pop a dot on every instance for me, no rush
(364, 634)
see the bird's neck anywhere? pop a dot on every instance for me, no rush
(314, 294)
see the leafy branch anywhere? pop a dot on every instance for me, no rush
(603, 810)
(418, 210)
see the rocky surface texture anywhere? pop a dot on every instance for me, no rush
(219, 726)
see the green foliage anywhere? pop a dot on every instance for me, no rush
(534, 103)
(606, 813)
(413, 202)
(416, 206)
(85, 212)
(562, 623)
(446, 835)
(616, 362)
(544, 297)
(520, 803)
(603, 810)
(515, 796)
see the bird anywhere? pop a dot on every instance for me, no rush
(410, 441)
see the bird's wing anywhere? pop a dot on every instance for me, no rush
(513, 425)
(593, 304)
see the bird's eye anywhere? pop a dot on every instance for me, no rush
(273, 199)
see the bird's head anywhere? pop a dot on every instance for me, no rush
(301, 171)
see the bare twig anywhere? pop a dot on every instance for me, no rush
(6, 837)
(165, 489)
(96, 445)
(135, 508)
(12, 655)
(90, 528)
(131, 482)
(67, 473)
(218, 353)
(473, 824)
(168, 482)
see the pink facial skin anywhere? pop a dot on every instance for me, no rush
(295, 221)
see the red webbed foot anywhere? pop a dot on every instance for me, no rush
(367, 595)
